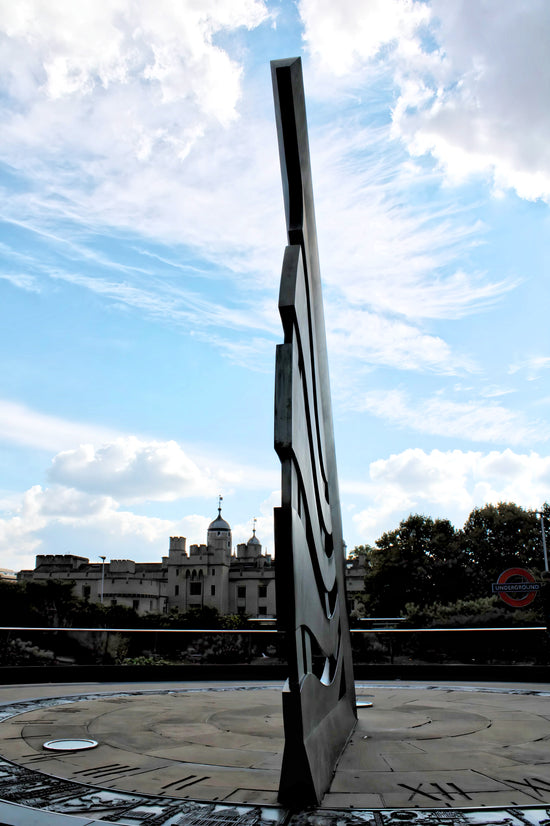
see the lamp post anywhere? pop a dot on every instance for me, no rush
(103, 558)
(541, 515)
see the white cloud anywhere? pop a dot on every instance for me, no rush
(164, 48)
(473, 421)
(485, 94)
(110, 101)
(94, 128)
(87, 507)
(473, 79)
(343, 35)
(96, 148)
(72, 521)
(62, 509)
(446, 484)
(21, 425)
(134, 471)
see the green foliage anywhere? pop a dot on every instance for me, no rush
(51, 604)
(483, 612)
(361, 552)
(418, 562)
(497, 537)
(145, 661)
(234, 621)
(429, 563)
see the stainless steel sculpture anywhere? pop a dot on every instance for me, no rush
(319, 698)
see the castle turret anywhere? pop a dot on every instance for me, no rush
(218, 537)
(252, 549)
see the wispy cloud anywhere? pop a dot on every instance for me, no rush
(371, 339)
(379, 247)
(473, 421)
(21, 281)
(21, 425)
(532, 367)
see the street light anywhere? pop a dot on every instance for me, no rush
(103, 558)
(541, 515)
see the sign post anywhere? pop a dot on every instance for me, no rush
(516, 587)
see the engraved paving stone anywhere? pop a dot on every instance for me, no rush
(417, 748)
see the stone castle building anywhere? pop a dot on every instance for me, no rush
(206, 575)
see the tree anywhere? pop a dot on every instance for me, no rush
(497, 537)
(419, 562)
(360, 551)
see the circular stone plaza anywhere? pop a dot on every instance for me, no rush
(199, 754)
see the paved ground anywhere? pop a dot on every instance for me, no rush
(426, 747)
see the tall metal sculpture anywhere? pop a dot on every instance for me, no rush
(319, 698)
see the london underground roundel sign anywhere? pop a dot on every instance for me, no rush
(517, 587)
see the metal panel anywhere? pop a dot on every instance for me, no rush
(319, 698)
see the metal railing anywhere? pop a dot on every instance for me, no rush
(41, 645)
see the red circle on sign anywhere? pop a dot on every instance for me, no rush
(510, 600)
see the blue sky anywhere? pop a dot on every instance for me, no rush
(141, 240)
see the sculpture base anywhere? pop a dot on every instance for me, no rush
(205, 750)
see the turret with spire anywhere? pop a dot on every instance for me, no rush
(218, 537)
(252, 549)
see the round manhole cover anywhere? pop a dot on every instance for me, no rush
(69, 745)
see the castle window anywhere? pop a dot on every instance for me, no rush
(195, 589)
(262, 590)
(176, 590)
(262, 610)
(86, 591)
(212, 590)
(213, 572)
(241, 592)
(135, 604)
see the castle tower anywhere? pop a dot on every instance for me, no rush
(218, 537)
(252, 549)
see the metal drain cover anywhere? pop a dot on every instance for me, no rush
(69, 745)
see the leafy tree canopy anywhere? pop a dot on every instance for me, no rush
(426, 562)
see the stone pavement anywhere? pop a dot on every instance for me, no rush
(211, 754)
